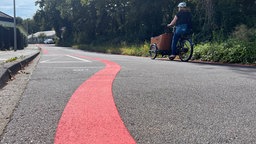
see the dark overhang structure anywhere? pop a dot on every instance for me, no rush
(6, 20)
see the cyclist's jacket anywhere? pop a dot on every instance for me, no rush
(184, 17)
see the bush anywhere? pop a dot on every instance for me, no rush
(239, 48)
(6, 39)
(136, 50)
(123, 48)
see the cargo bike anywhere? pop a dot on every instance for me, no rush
(161, 45)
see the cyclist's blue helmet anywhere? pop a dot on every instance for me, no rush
(182, 5)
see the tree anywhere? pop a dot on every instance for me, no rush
(97, 21)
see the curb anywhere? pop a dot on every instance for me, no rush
(10, 69)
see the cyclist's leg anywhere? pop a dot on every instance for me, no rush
(177, 35)
(175, 39)
(181, 29)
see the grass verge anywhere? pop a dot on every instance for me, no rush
(123, 49)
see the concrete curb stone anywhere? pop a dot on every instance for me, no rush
(7, 70)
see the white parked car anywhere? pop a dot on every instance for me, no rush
(49, 41)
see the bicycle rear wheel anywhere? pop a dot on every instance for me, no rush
(185, 50)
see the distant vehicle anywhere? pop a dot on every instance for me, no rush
(49, 41)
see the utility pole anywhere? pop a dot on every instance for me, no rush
(14, 27)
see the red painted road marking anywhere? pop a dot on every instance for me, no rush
(44, 50)
(91, 116)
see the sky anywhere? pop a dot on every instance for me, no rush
(24, 8)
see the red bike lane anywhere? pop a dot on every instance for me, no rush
(91, 115)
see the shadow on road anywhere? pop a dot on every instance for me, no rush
(248, 70)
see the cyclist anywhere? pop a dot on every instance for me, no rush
(182, 21)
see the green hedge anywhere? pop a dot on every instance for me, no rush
(7, 40)
(239, 48)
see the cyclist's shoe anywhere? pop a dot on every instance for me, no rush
(172, 57)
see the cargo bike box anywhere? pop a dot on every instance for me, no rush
(162, 42)
(162, 45)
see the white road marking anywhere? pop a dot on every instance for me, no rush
(96, 67)
(57, 62)
(53, 55)
(78, 58)
(46, 61)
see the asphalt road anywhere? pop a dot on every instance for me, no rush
(160, 101)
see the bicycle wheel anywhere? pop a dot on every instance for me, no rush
(185, 50)
(153, 51)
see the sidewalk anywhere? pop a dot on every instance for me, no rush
(13, 61)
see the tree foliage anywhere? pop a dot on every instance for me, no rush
(133, 21)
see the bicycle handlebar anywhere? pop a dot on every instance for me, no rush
(170, 29)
